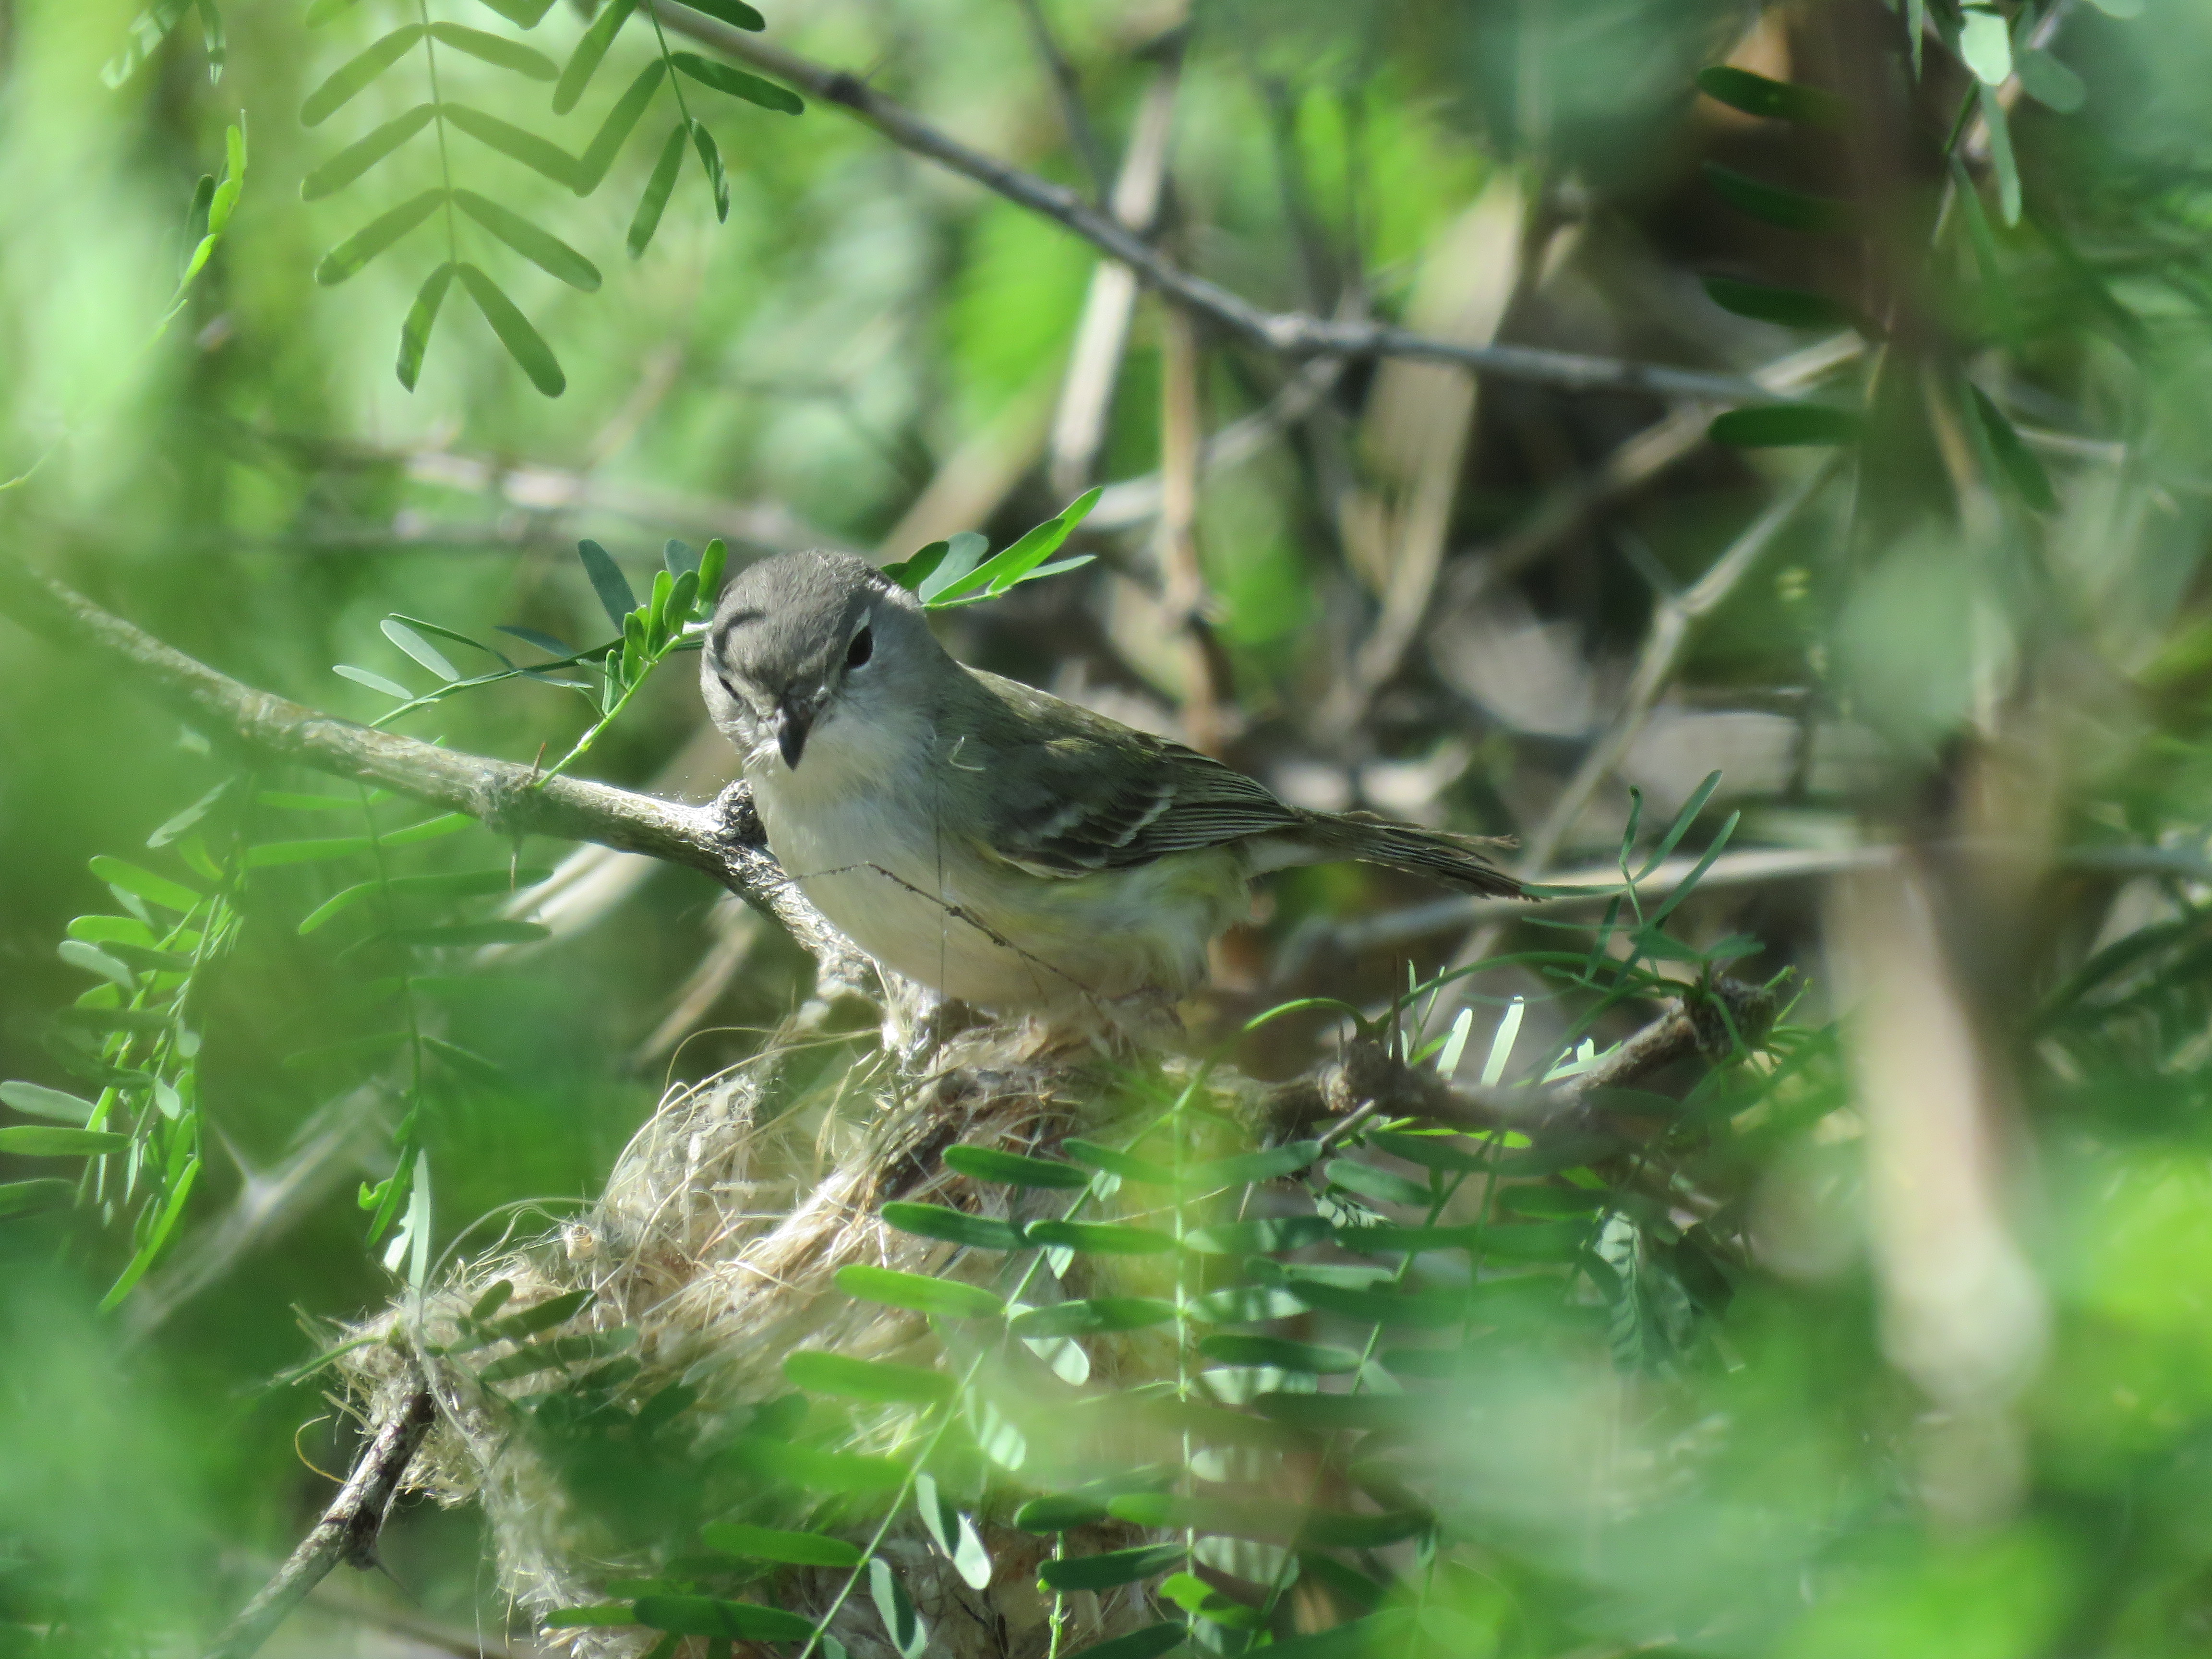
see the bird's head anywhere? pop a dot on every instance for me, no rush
(805, 640)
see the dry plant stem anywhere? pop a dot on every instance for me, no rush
(1292, 334)
(347, 1531)
(720, 840)
(1208, 694)
(1369, 1080)
(1068, 86)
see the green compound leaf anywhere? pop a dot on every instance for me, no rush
(1775, 426)
(541, 247)
(710, 1616)
(374, 237)
(654, 202)
(35, 1140)
(735, 12)
(1093, 1317)
(1282, 1354)
(350, 79)
(795, 1549)
(413, 340)
(523, 343)
(1091, 1572)
(497, 50)
(878, 1381)
(20, 1198)
(736, 82)
(540, 155)
(1096, 1239)
(614, 132)
(946, 1298)
(1777, 100)
(358, 157)
(1014, 1170)
(1789, 209)
(584, 62)
(955, 1226)
(710, 157)
(1004, 570)
(1790, 307)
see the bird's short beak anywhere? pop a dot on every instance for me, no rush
(795, 719)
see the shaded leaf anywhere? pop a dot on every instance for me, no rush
(1780, 100)
(1014, 1169)
(356, 74)
(1261, 1235)
(142, 39)
(540, 155)
(910, 1637)
(602, 1612)
(1426, 1309)
(710, 157)
(1789, 209)
(735, 12)
(415, 340)
(614, 132)
(2049, 82)
(1790, 307)
(737, 83)
(2002, 162)
(419, 648)
(19, 1198)
(710, 1616)
(523, 14)
(1092, 1317)
(155, 890)
(1082, 1572)
(608, 581)
(270, 854)
(1449, 1152)
(523, 343)
(540, 247)
(955, 1226)
(1777, 425)
(374, 237)
(1150, 1643)
(1327, 1413)
(880, 1382)
(814, 1469)
(1282, 1354)
(358, 157)
(2015, 458)
(495, 49)
(584, 62)
(171, 828)
(1096, 1239)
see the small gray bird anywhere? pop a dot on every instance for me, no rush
(1006, 847)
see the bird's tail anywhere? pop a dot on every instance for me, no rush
(1434, 855)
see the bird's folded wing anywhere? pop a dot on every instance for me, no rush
(1066, 793)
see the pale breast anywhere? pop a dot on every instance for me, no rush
(868, 842)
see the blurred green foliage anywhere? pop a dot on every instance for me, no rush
(1716, 1447)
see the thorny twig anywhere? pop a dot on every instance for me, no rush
(1292, 334)
(347, 1531)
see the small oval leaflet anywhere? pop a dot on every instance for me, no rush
(1014, 1168)
(947, 1298)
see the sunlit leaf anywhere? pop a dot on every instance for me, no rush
(355, 75)
(955, 1226)
(1092, 1317)
(1014, 1169)
(34, 1140)
(813, 1469)
(143, 39)
(1097, 1238)
(710, 157)
(910, 1637)
(523, 14)
(35, 1100)
(419, 648)
(1277, 1352)
(1985, 44)
(1265, 1233)
(370, 678)
(155, 890)
(2049, 82)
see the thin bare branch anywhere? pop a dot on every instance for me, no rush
(1292, 334)
(1068, 87)
(722, 839)
(347, 1531)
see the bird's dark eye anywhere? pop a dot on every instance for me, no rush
(862, 648)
